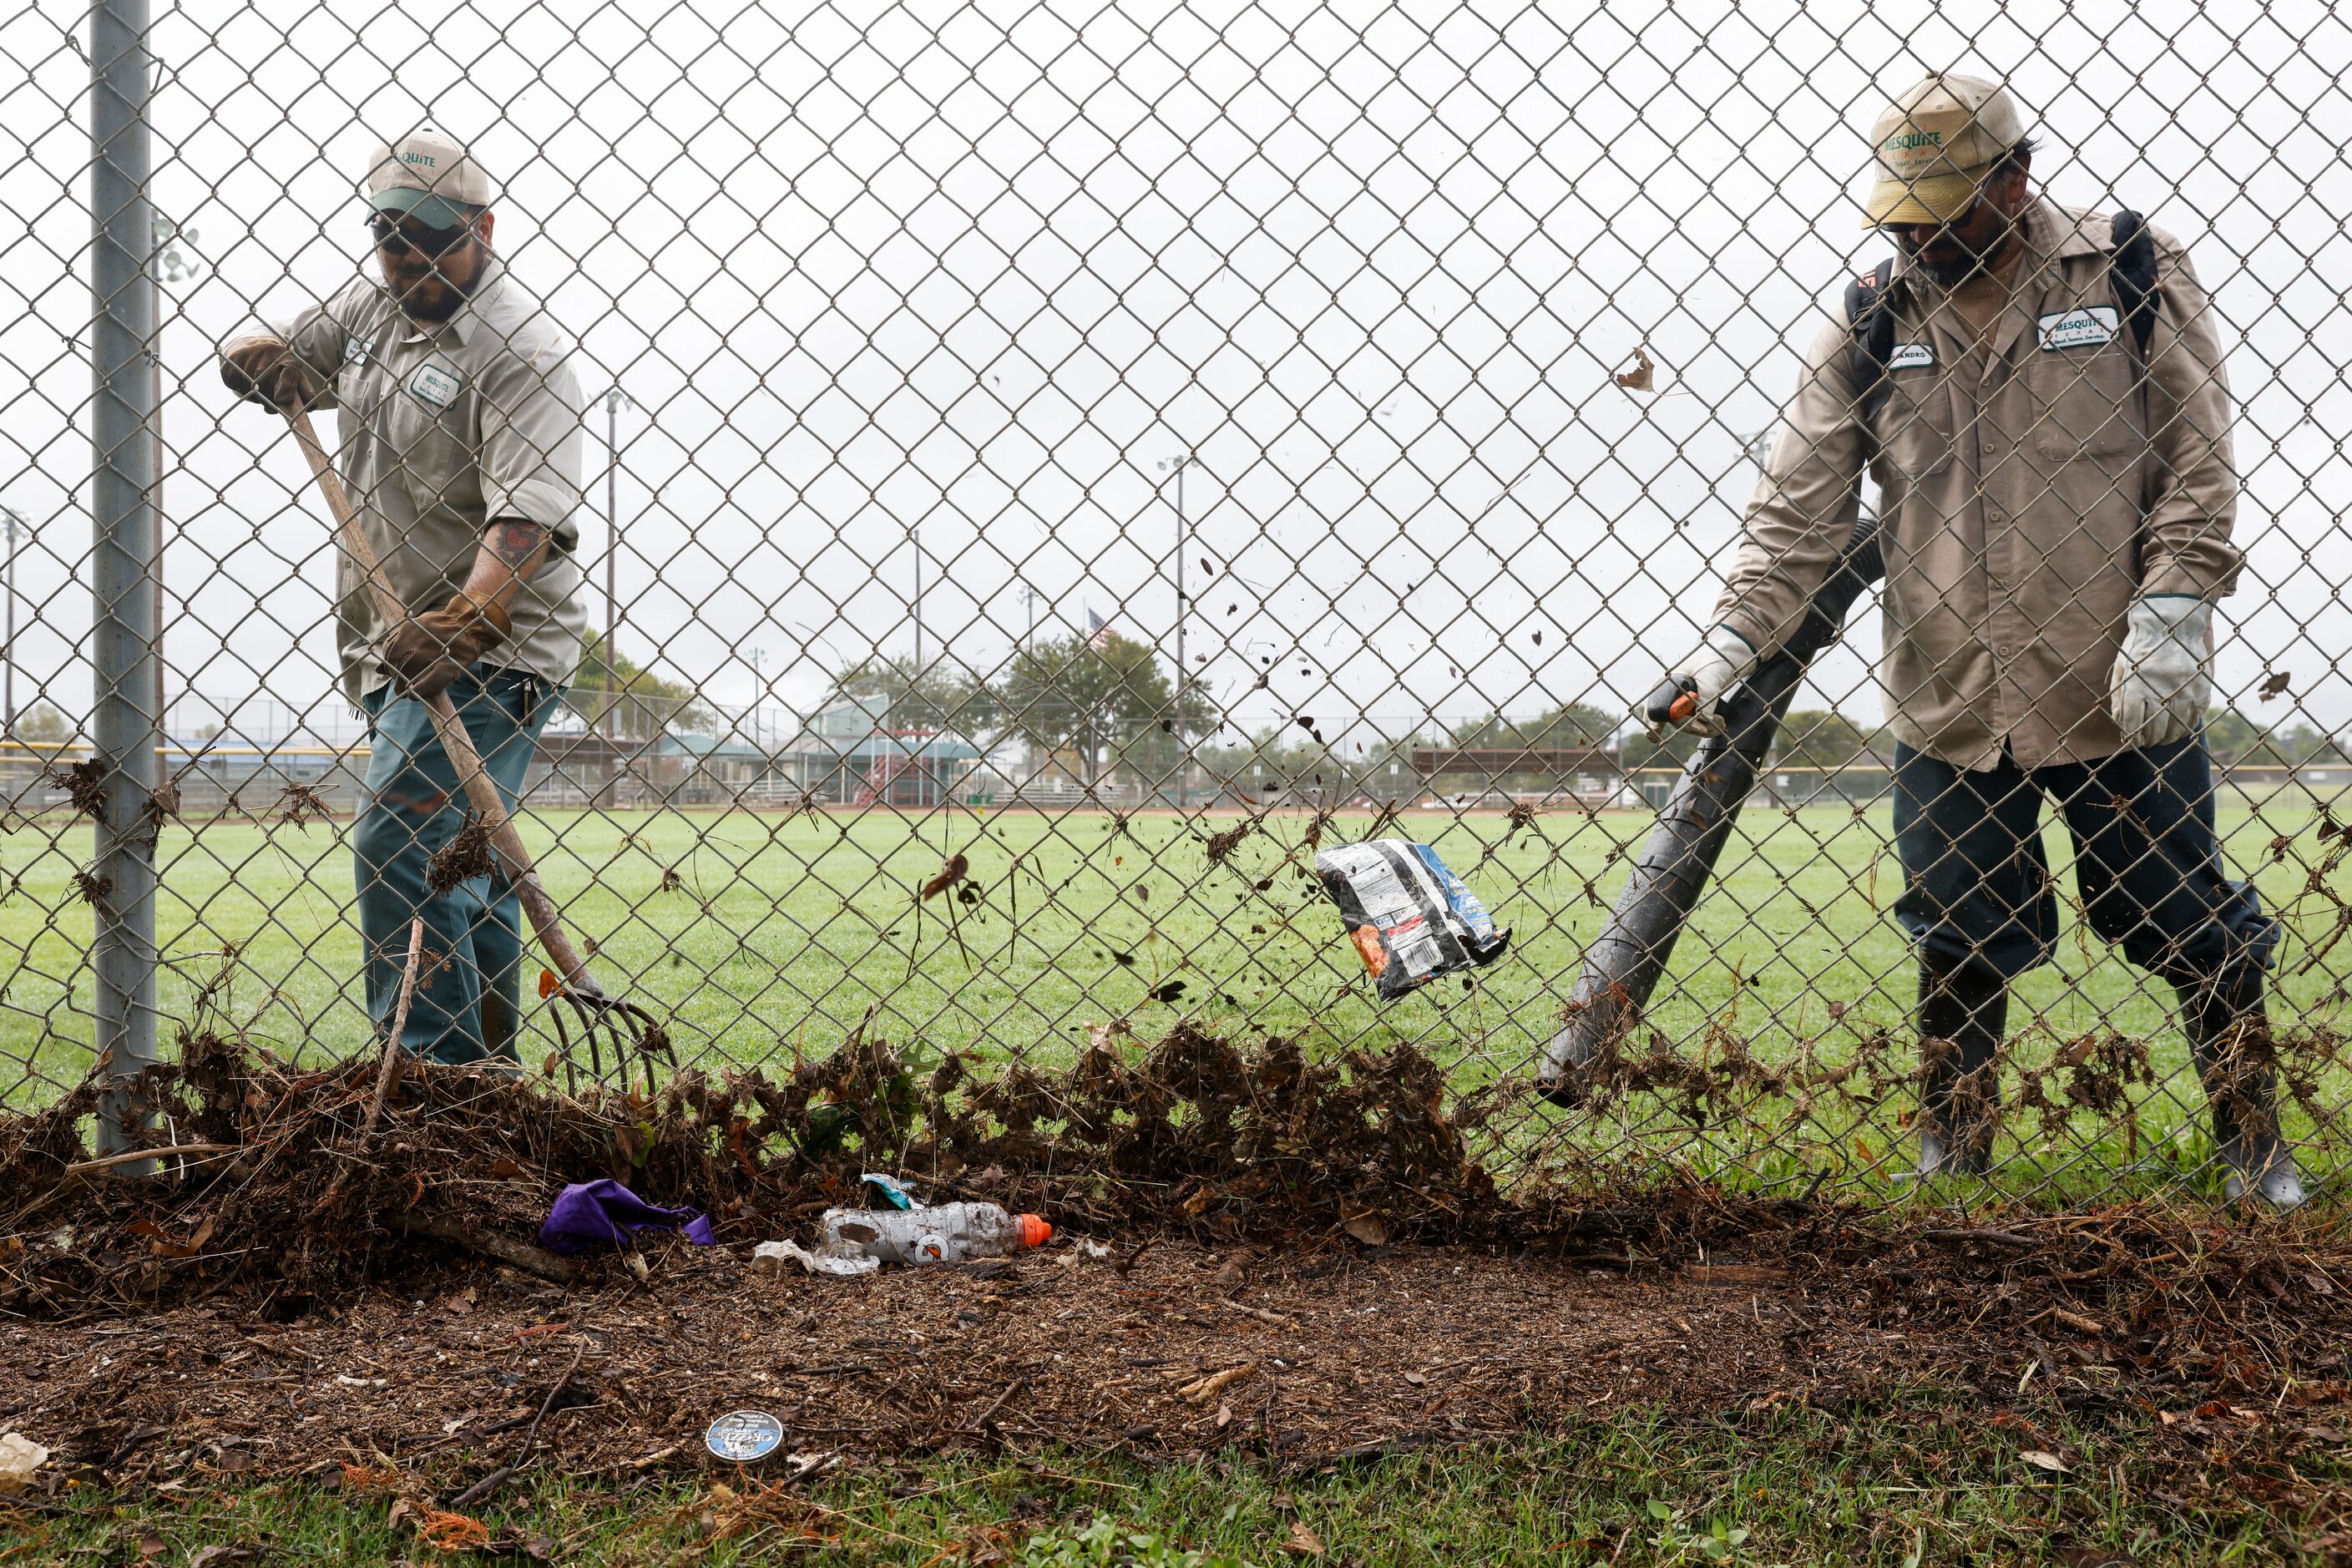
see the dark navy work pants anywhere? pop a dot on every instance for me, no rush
(1978, 888)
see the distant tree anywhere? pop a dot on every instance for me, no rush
(1638, 752)
(640, 704)
(935, 696)
(1105, 700)
(2302, 745)
(1811, 738)
(42, 725)
(2231, 736)
(1565, 728)
(2236, 740)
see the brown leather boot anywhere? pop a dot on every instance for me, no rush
(1963, 1014)
(2230, 1038)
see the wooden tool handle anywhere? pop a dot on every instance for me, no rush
(481, 790)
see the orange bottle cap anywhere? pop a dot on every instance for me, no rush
(1034, 1231)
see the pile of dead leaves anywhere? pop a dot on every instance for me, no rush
(313, 1179)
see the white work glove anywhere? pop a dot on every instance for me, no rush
(1725, 658)
(2159, 689)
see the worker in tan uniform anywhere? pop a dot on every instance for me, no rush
(459, 439)
(2056, 503)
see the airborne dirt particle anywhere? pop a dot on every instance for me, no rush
(466, 856)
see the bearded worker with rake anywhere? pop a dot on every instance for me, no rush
(459, 440)
(2038, 394)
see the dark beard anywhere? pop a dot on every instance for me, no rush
(1952, 275)
(1948, 275)
(434, 309)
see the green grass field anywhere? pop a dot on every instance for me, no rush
(760, 936)
(1918, 1481)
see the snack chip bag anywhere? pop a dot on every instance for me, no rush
(1410, 918)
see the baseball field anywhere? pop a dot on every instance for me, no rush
(762, 938)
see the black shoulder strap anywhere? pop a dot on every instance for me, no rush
(2131, 264)
(1866, 312)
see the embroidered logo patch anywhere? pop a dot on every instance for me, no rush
(1911, 356)
(434, 387)
(355, 352)
(2085, 327)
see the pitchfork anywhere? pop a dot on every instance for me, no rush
(601, 1017)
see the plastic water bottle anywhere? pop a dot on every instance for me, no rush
(949, 1233)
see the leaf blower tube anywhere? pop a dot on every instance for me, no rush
(1623, 964)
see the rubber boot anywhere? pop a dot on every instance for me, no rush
(2230, 1038)
(1963, 1014)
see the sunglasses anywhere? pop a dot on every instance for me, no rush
(395, 239)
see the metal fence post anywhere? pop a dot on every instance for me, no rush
(123, 562)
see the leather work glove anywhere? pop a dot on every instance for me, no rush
(1686, 697)
(2158, 690)
(427, 652)
(265, 371)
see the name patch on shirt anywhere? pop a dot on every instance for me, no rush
(1911, 356)
(2085, 327)
(434, 387)
(355, 351)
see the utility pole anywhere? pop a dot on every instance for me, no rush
(915, 536)
(1183, 671)
(615, 399)
(171, 266)
(12, 521)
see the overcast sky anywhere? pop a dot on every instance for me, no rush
(980, 269)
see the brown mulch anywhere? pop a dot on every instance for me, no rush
(1329, 1352)
(1293, 1259)
(1304, 1356)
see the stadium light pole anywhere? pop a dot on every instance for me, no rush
(11, 520)
(1179, 463)
(614, 400)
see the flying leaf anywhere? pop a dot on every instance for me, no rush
(1639, 378)
(950, 874)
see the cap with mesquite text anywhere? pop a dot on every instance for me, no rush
(1935, 146)
(428, 175)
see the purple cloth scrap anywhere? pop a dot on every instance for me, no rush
(590, 1214)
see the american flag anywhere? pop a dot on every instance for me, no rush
(1098, 628)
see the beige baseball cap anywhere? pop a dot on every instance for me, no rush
(427, 174)
(1935, 144)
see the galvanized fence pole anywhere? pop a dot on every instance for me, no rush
(124, 728)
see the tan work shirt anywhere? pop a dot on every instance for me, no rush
(2027, 494)
(440, 430)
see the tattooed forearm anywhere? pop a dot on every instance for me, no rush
(514, 541)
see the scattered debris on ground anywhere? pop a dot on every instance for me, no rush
(295, 1188)
(1297, 1260)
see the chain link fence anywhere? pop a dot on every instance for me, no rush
(1098, 456)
